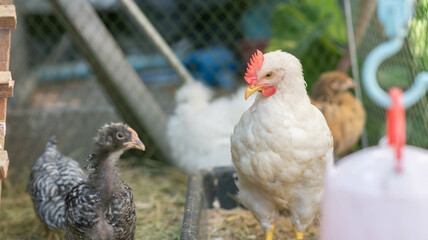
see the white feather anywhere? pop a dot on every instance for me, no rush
(199, 129)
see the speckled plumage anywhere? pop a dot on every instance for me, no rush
(89, 218)
(52, 177)
(101, 207)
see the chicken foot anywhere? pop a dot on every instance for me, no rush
(297, 234)
(51, 235)
(269, 235)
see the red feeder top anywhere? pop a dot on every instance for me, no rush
(396, 123)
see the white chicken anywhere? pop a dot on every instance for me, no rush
(199, 130)
(282, 145)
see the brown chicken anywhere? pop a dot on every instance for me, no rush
(344, 113)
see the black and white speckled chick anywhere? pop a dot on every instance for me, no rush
(101, 207)
(53, 175)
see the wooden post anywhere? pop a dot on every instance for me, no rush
(123, 85)
(156, 39)
(7, 24)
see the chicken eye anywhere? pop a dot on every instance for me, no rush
(269, 75)
(120, 135)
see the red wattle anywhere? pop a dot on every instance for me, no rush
(268, 91)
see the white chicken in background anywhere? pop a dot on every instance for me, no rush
(199, 130)
(282, 145)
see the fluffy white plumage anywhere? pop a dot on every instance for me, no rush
(281, 147)
(199, 130)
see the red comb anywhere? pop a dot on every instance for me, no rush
(254, 66)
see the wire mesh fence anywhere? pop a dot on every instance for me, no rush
(399, 70)
(57, 92)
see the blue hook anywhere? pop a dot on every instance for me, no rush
(394, 15)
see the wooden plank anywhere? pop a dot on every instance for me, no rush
(7, 17)
(7, 22)
(2, 133)
(3, 109)
(6, 79)
(4, 49)
(4, 164)
(6, 85)
(122, 84)
(6, 2)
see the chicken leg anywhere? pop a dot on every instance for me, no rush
(297, 234)
(269, 235)
(51, 235)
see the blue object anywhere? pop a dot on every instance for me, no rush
(216, 65)
(253, 25)
(394, 15)
(80, 69)
(163, 75)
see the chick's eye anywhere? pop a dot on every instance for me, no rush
(269, 75)
(120, 135)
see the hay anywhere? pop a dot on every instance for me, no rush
(240, 224)
(159, 194)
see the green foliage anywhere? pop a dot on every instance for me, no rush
(418, 34)
(337, 27)
(313, 31)
(421, 9)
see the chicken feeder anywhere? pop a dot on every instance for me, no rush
(206, 189)
(366, 197)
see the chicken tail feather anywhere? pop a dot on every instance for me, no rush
(52, 142)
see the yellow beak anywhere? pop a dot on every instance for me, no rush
(252, 89)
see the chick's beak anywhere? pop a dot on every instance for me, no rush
(135, 142)
(252, 89)
(349, 85)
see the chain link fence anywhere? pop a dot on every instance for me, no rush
(399, 70)
(57, 92)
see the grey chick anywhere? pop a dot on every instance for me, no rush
(101, 206)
